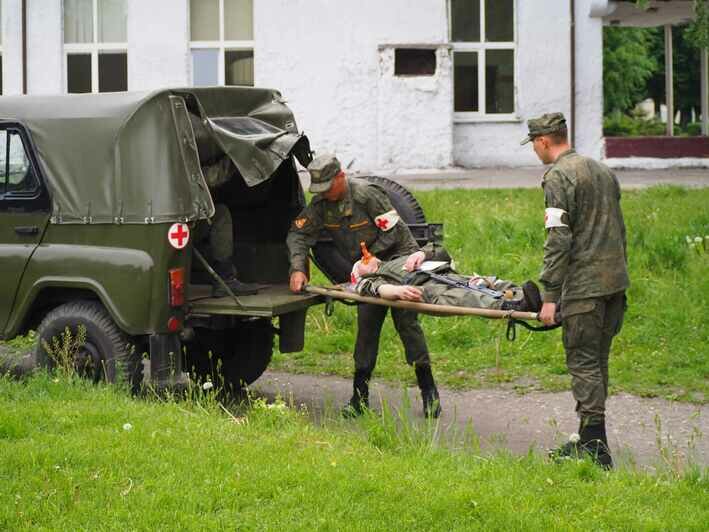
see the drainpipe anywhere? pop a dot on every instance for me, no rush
(705, 90)
(669, 90)
(572, 81)
(24, 46)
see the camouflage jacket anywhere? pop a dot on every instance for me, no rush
(585, 248)
(365, 214)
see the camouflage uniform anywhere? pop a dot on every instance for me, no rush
(434, 291)
(584, 267)
(215, 237)
(349, 222)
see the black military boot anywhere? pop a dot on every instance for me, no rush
(530, 302)
(429, 392)
(359, 401)
(532, 297)
(590, 441)
(227, 272)
(594, 442)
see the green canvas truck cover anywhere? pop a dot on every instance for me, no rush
(132, 157)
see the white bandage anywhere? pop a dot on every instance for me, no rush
(552, 218)
(387, 221)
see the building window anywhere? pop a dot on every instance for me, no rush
(414, 62)
(95, 46)
(222, 42)
(482, 33)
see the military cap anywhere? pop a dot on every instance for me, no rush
(322, 171)
(545, 124)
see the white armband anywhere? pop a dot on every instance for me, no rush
(387, 221)
(552, 218)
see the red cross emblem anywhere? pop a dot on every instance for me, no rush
(382, 223)
(178, 235)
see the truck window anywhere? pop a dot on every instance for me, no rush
(16, 174)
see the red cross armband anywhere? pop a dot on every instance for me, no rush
(553, 218)
(386, 221)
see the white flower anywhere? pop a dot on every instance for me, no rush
(688, 239)
(127, 426)
(574, 437)
(698, 239)
(207, 386)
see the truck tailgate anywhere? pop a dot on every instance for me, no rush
(271, 301)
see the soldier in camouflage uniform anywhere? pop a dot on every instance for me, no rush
(585, 273)
(215, 237)
(392, 280)
(354, 211)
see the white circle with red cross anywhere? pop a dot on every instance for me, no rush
(178, 235)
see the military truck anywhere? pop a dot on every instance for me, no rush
(100, 195)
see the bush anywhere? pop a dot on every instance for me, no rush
(621, 125)
(694, 129)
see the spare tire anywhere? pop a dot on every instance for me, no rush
(337, 267)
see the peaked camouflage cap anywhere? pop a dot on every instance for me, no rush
(322, 171)
(545, 124)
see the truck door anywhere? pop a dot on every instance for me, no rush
(24, 212)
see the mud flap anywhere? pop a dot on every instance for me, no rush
(166, 362)
(291, 331)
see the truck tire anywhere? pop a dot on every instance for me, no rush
(106, 352)
(337, 267)
(232, 357)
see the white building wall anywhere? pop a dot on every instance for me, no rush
(589, 81)
(324, 57)
(158, 44)
(45, 64)
(12, 47)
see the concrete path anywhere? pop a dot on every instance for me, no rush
(536, 420)
(530, 177)
(650, 432)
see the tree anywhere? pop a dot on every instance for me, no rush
(627, 66)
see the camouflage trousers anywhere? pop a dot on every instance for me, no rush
(216, 239)
(370, 319)
(589, 326)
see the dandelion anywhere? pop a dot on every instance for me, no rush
(698, 239)
(127, 426)
(574, 437)
(207, 386)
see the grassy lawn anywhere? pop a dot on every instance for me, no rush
(663, 348)
(82, 457)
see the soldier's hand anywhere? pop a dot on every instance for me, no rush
(410, 293)
(297, 281)
(546, 315)
(414, 261)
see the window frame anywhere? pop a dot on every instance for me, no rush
(481, 48)
(94, 49)
(221, 45)
(36, 201)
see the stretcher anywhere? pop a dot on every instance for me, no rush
(345, 294)
(341, 293)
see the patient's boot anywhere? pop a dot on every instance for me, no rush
(359, 401)
(530, 302)
(429, 392)
(227, 272)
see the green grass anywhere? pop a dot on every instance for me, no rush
(663, 349)
(68, 463)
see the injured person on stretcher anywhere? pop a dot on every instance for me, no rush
(438, 283)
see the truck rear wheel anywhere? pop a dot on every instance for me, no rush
(330, 261)
(82, 337)
(232, 357)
